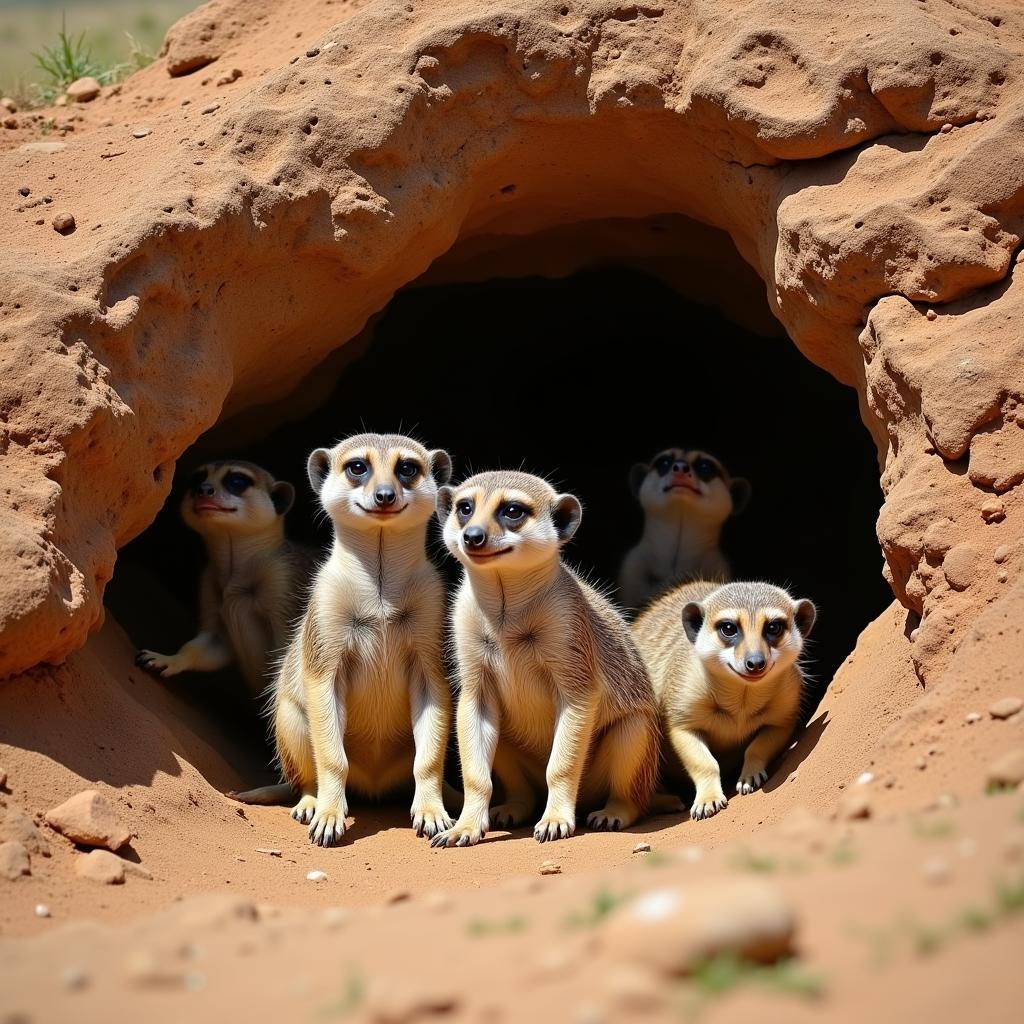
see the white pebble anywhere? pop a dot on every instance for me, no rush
(42, 910)
(973, 717)
(864, 778)
(642, 848)
(317, 876)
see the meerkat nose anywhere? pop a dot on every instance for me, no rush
(474, 536)
(754, 662)
(384, 495)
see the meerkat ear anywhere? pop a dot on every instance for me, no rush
(440, 466)
(445, 496)
(805, 616)
(741, 492)
(637, 474)
(282, 494)
(693, 619)
(317, 467)
(566, 513)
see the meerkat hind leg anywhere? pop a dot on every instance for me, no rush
(291, 731)
(264, 796)
(520, 801)
(624, 756)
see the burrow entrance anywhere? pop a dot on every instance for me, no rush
(575, 378)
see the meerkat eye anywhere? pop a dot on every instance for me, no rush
(237, 483)
(705, 469)
(728, 630)
(514, 512)
(775, 628)
(356, 469)
(663, 464)
(407, 470)
(464, 509)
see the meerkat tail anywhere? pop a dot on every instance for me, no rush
(264, 796)
(665, 803)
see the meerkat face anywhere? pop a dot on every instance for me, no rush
(506, 521)
(378, 481)
(688, 484)
(234, 497)
(748, 631)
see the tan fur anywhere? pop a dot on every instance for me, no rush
(252, 583)
(683, 519)
(551, 685)
(707, 708)
(361, 700)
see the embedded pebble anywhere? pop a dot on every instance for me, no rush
(1006, 707)
(64, 223)
(313, 51)
(14, 861)
(960, 566)
(100, 866)
(931, 314)
(972, 717)
(89, 818)
(141, 133)
(232, 76)
(1007, 770)
(210, 109)
(317, 876)
(1001, 554)
(946, 128)
(42, 910)
(550, 867)
(642, 848)
(993, 511)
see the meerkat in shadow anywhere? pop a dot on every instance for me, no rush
(551, 687)
(251, 587)
(724, 661)
(686, 496)
(361, 701)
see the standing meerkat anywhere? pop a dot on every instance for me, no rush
(249, 591)
(724, 663)
(361, 700)
(550, 680)
(686, 496)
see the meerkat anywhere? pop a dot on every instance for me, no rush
(551, 686)
(686, 496)
(361, 700)
(249, 590)
(724, 661)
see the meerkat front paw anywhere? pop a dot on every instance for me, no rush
(428, 819)
(510, 814)
(163, 665)
(552, 827)
(751, 781)
(327, 826)
(708, 804)
(304, 810)
(615, 816)
(462, 833)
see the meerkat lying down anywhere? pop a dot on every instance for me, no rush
(252, 583)
(361, 700)
(686, 496)
(551, 686)
(724, 664)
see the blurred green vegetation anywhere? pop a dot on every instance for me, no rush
(119, 34)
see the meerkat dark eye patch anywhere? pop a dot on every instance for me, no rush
(197, 479)
(464, 510)
(663, 465)
(774, 630)
(407, 470)
(237, 483)
(728, 630)
(514, 514)
(706, 469)
(356, 469)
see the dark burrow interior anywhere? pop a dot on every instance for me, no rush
(575, 379)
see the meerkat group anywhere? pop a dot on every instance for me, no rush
(562, 704)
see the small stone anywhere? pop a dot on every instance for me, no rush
(14, 861)
(210, 109)
(972, 717)
(939, 538)
(100, 866)
(864, 778)
(141, 133)
(42, 910)
(550, 867)
(960, 566)
(642, 848)
(1002, 576)
(317, 876)
(398, 896)
(232, 76)
(890, 782)
(946, 128)
(1006, 707)
(920, 764)
(936, 870)
(313, 51)
(993, 511)
(63, 223)
(931, 314)
(10, 122)
(83, 89)
(1006, 771)
(19, 827)
(9, 105)
(268, 851)
(854, 805)
(89, 818)
(1001, 554)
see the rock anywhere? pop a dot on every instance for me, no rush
(42, 910)
(960, 566)
(398, 896)
(1006, 771)
(313, 51)
(642, 848)
(137, 870)
(268, 851)
(64, 223)
(43, 147)
(931, 314)
(89, 818)
(14, 861)
(317, 876)
(972, 717)
(1006, 707)
(141, 133)
(993, 511)
(672, 930)
(997, 458)
(100, 866)
(1001, 554)
(550, 867)
(9, 105)
(855, 804)
(19, 827)
(864, 778)
(194, 42)
(10, 122)
(83, 90)
(232, 76)
(211, 108)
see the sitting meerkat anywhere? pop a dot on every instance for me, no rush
(547, 669)
(361, 699)
(249, 591)
(686, 496)
(724, 664)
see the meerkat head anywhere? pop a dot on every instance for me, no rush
(749, 631)
(378, 481)
(505, 520)
(231, 496)
(681, 483)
